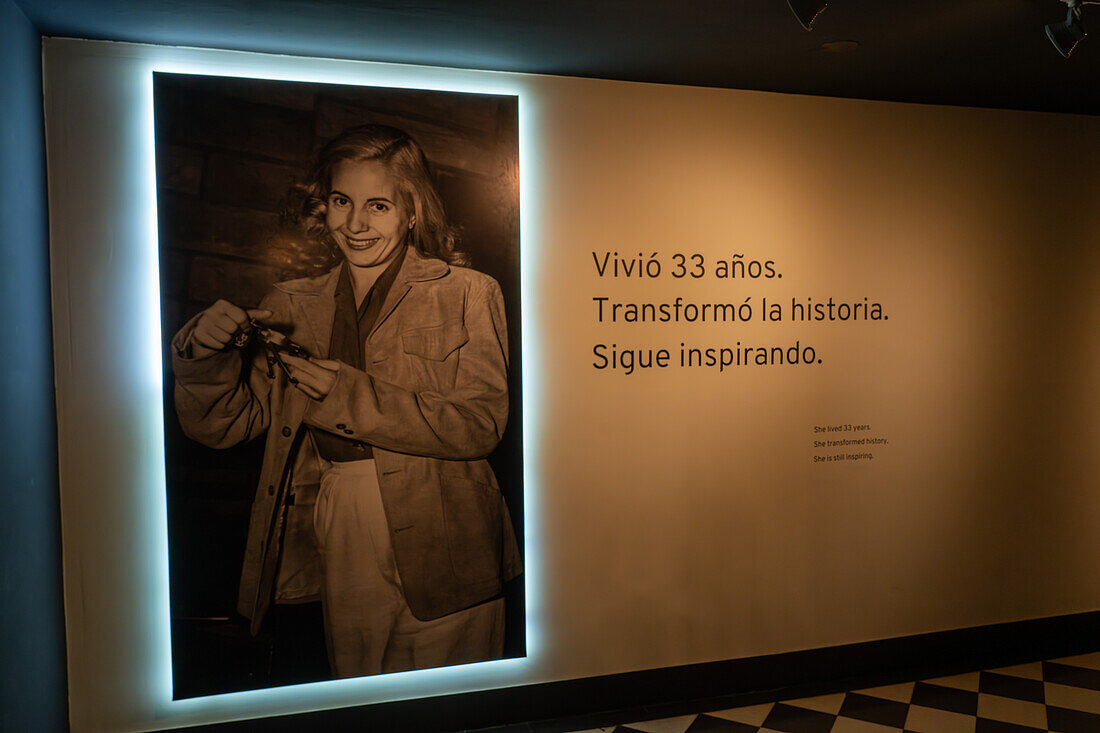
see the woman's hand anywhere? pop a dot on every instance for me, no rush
(218, 325)
(315, 377)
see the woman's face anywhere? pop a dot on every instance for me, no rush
(363, 213)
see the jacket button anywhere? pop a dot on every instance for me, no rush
(270, 490)
(286, 432)
(349, 432)
(340, 426)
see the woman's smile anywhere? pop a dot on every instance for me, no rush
(357, 243)
(364, 214)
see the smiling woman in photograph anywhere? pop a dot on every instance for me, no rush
(382, 387)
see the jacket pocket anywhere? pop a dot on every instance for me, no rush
(472, 518)
(435, 342)
(430, 356)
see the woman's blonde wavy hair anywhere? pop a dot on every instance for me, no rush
(432, 235)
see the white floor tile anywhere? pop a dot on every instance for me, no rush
(1010, 710)
(920, 719)
(897, 693)
(968, 681)
(678, 724)
(931, 720)
(751, 715)
(1091, 661)
(1031, 671)
(1074, 698)
(821, 703)
(851, 725)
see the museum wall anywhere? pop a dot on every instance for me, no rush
(799, 372)
(32, 679)
(701, 523)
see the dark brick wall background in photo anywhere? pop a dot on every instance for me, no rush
(227, 151)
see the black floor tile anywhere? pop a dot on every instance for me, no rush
(945, 698)
(874, 710)
(708, 724)
(789, 718)
(1018, 688)
(986, 725)
(1071, 721)
(1063, 674)
(798, 720)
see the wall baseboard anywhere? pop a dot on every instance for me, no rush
(656, 693)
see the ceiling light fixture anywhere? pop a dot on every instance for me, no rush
(807, 10)
(1065, 36)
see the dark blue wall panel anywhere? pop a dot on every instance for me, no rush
(32, 671)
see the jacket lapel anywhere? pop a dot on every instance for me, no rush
(416, 268)
(312, 304)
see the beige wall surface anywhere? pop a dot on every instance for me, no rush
(700, 527)
(675, 514)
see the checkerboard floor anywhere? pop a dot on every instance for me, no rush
(1058, 695)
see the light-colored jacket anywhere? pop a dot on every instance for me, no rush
(432, 401)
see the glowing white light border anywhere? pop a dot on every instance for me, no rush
(365, 690)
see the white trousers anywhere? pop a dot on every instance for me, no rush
(368, 625)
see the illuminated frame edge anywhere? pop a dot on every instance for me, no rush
(365, 690)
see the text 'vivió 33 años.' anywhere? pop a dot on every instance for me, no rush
(681, 265)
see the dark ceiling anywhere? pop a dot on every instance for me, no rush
(988, 53)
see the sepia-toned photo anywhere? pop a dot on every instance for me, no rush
(340, 309)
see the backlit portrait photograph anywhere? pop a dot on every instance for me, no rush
(340, 309)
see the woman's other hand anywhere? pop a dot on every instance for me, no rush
(314, 377)
(218, 325)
